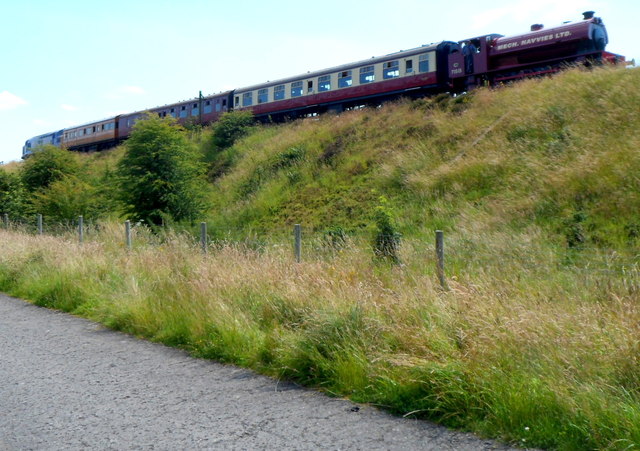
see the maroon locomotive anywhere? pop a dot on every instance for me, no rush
(443, 67)
(494, 58)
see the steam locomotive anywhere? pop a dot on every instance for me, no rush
(442, 67)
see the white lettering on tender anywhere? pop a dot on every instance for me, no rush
(508, 45)
(536, 40)
(530, 41)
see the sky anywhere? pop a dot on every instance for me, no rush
(69, 62)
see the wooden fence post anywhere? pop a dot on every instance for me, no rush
(203, 237)
(6, 220)
(127, 233)
(440, 259)
(39, 224)
(80, 229)
(297, 244)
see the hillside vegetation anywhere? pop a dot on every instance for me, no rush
(536, 341)
(539, 153)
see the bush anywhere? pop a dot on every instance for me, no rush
(46, 165)
(67, 198)
(13, 199)
(229, 128)
(386, 242)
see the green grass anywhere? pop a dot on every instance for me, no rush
(520, 348)
(536, 342)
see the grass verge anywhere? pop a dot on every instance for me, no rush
(543, 355)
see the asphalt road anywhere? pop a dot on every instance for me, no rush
(68, 383)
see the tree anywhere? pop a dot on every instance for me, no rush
(46, 165)
(161, 177)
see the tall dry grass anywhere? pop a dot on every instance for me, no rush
(521, 347)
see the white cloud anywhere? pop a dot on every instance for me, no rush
(67, 107)
(10, 101)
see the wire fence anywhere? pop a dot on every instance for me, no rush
(462, 256)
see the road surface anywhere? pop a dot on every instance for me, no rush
(68, 383)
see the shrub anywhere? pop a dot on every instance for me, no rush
(386, 242)
(69, 197)
(47, 165)
(229, 128)
(13, 199)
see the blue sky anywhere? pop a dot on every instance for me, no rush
(69, 62)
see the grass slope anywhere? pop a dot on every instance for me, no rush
(541, 152)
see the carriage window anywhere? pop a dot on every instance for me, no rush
(391, 70)
(345, 79)
(278, 92)
(423, 63)
(409, 66)
(247, 99)
(296, 89)
(367, 75)
(310, 86)
(263, 95)
(324, 83)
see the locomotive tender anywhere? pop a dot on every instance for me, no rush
(443, 67)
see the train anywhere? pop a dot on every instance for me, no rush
(444, 67)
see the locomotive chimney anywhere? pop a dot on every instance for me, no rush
(588, 15)
(537, 26)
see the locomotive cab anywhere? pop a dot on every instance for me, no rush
(468, 62)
